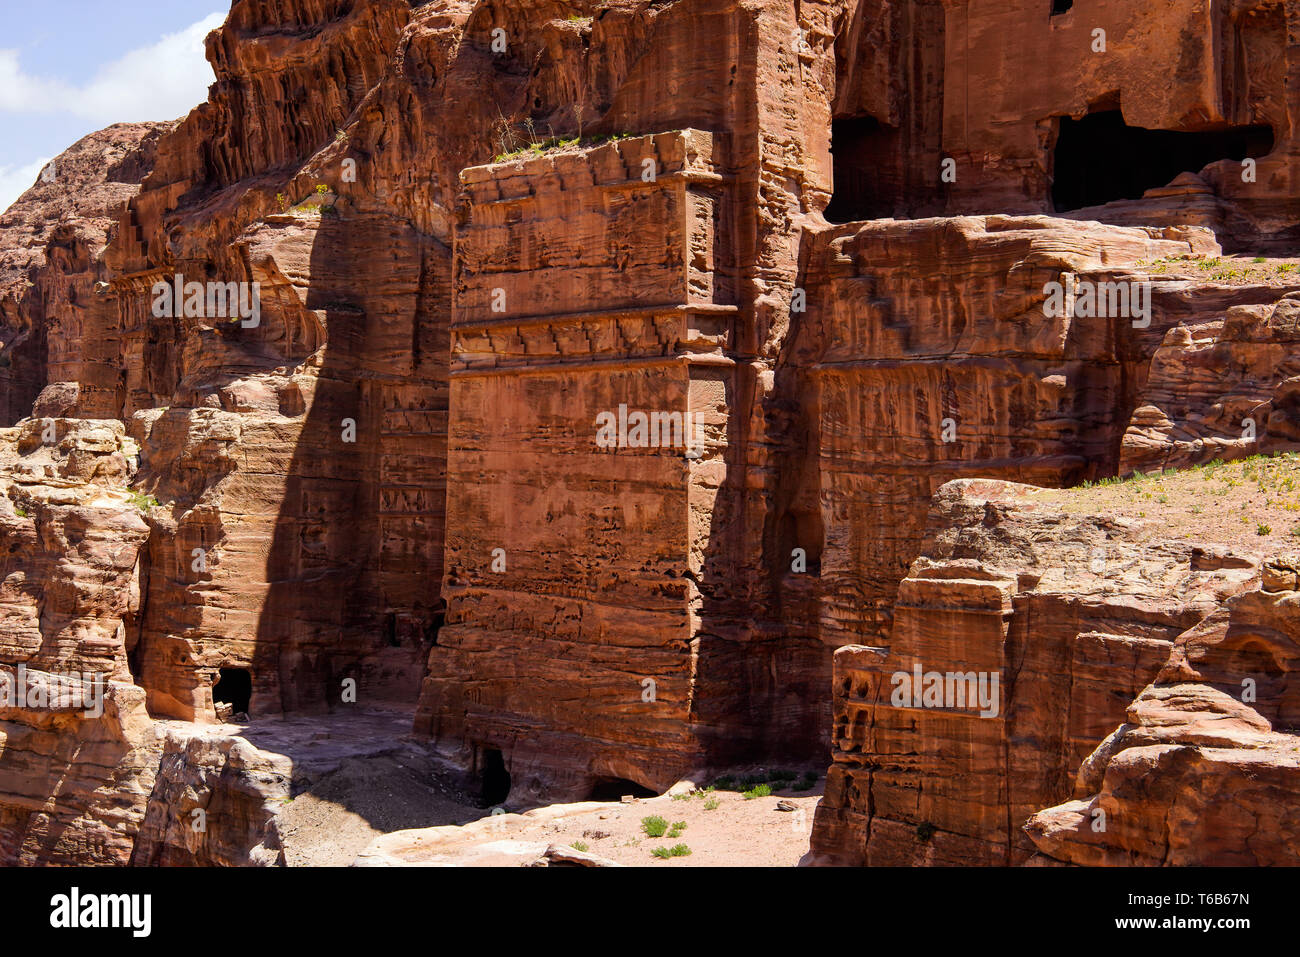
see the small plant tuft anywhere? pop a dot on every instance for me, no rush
(143, 502)
(677, 850)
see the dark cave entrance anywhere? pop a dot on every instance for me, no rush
(801, 529)
(496, 779)
(613, 789)
(1254, 659)
(1100, 159)
(234, 687)
(866, 168)
(434, 626)
(1061, 6)
(135, 661)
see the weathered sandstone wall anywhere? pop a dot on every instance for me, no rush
(1073, 614)
(1014, 73)
(1220, 390)
(1202, 769)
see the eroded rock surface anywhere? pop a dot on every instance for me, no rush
(57, 325)
(1220, 390)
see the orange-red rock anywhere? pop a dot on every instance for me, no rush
(1219, 719)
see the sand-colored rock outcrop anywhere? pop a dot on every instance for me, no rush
(56, 323)
(1071, 616)
(213, 802)
(76, 742)
(1220, 390)
(1205, 767)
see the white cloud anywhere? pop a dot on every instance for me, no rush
(16, 180)
(20, 93)
(159, 82)
(162, 81)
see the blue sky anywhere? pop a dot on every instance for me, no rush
(70, 67)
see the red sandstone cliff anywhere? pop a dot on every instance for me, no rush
(475, 227)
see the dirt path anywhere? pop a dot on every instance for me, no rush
(721, 829)
(363, 788)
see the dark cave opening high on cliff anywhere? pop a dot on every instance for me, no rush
(1100, 158)
(864, 156)
(234, 687)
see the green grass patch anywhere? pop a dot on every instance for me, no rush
(677, 850)
(143, 502)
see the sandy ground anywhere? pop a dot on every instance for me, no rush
(335, 819)
(1252, 504)
(719, 828)
(360, 779)
(355, 776)
(736, 833)
(365, 798)
(1234, 270)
